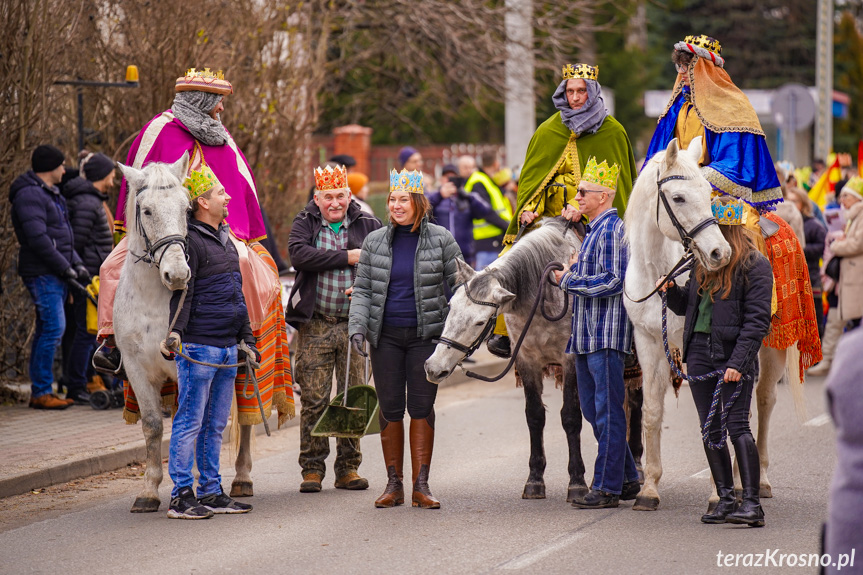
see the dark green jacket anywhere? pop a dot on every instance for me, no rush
(437, 252)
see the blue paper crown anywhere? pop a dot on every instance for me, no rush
(729, 211)
(406, 181)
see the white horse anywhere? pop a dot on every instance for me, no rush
(655, 246)
(156, 212)
(510, 286)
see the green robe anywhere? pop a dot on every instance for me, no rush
(550, 159)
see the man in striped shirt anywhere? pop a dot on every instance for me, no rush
(601, 335)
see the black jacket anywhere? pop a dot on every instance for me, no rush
(93, 237)
(308, 260)
(214, 312)
(740, 322)
(41, 223)
(815, 233)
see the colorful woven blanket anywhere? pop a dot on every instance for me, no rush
(795, 319)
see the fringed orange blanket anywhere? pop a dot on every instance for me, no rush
(274, 377)
(795, 319)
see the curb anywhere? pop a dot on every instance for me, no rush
(137, 451)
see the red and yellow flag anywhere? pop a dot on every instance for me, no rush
(826, 183)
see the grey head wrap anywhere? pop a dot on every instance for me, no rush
(589, 117)
(193, 109)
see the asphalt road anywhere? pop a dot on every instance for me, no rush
(484, 526)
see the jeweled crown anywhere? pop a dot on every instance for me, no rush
(204, 81)
(706, 42)
(728, 210)
(331, 178)
(584, 71)
(205, 73)
(200, 181)
(600, 174)
(406, 181)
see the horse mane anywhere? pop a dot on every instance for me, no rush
(643, 197)
(159, 175)
(518, 271)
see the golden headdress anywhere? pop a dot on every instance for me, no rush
(704, 47)
(331, 178)
(204, 81)
(583, 71)
(600, 174)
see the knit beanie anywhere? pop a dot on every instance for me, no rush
(96, 167)
(356, 181)
(405, 154)
(46, 159)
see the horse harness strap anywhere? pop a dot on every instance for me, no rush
(686, 237)
(489, 326)
(150, 249)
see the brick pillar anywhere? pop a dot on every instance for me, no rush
(356, 141)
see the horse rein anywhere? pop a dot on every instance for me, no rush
(489, 326)
(687, 238)
(150, 249)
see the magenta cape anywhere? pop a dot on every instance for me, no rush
(165, 138)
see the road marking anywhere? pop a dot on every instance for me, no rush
(541, 552)
(701, 474)
(818, 421)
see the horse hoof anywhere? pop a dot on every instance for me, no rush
(765, 491)
(533, 491)
(242, 489)
(145, 505)
(574, 492)
(646, 503)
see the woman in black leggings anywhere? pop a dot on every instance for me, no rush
(398, 303)
(727, 316)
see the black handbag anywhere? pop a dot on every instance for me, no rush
(831, 270)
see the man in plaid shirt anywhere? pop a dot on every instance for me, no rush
(601, 335)
(324, 245)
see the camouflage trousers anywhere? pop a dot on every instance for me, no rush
(322, 346)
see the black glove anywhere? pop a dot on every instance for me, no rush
(170, 345)
(244, 350)
(83, 274)
(358, 340)
(70, 274)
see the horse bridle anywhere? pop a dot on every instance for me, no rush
(150, 248)
(687, 238)
(489, 326)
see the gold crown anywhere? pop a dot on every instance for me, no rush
(411, 182)
(600, 174)
(728, 210)
(706, 42)
(331, 178)
(204, 81)
(584, 71)
(200, 181)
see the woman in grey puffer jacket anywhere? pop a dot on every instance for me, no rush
(399, 304)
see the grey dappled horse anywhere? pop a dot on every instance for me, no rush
(512, 283)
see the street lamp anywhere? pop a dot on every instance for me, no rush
(131, 82)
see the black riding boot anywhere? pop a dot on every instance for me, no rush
(750, 512)
(719, 461)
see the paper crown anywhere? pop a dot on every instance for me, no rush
(406, 181)
(704, 47)
(331, 178)
(728, 210)
(584, 71)
(204, 81)
(600, 174)
(200, 181)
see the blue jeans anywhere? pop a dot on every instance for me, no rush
(48, 293)
(601, 392)
(485, 259)
(79, 368)
(204, 406)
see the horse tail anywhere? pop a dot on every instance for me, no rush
(795, 382)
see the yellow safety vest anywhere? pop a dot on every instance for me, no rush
(482, 230)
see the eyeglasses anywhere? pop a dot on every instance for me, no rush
(680, 68)
(582, 191)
